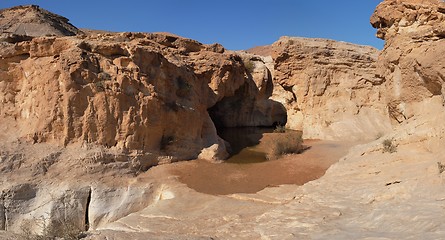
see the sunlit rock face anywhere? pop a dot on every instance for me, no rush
(410, 62)
(141, 94)
(336, 90)
(80, 109)
(329, 88)
(67, 94)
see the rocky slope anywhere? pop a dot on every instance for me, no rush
(34, 21)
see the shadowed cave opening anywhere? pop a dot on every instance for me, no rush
(240, 122)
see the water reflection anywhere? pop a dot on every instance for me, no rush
(243, 144)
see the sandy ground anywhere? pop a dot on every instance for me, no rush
(228, 178)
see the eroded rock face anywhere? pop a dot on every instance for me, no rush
(410, 62)
(329, 88)
(104, 106)
(143, 95)
(370, 193)
(32, 207)
(141, 92)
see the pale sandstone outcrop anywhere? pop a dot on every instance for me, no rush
(43, 186)
(81, 204)
(329, 88)
(410, 62)
(29, 205)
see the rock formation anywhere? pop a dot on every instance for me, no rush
(410, 62)
(329, 88)
(33, 21)
(144, 95)
(369, 194)
(258, 109)
(95, 105)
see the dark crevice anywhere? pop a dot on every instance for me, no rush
(16, 38)
(3, 219)
(87, 208)
(395, 114)
(440, 35)
(228, 111)
(241, 110)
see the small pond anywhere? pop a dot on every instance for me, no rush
(248, 171)
(244, 144)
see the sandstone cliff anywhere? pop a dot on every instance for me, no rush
(110, 105)
(329, 88)
(410, 62)
(141, 95)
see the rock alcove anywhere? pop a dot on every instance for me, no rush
(240, 118)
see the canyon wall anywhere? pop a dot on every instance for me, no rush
(337, 90)
(150, 95)
(135, 93)
(410, 64)
(329, 88)
(80, 109)
(371, 193)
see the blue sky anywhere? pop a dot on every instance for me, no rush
(236, 24)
